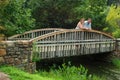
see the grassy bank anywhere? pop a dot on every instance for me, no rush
(17, 74)
(116, 62)
(63, 73)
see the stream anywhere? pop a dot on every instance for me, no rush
(98, 64)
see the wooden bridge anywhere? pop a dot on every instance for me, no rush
(54, 42)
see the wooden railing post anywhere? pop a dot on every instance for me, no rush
(117, 45)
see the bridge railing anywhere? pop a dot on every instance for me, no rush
(72, 43)
(118, 44)
(32, 34)
(72, 34)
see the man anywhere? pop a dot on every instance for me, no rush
(87, 24)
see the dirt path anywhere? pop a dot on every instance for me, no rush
(4, 76)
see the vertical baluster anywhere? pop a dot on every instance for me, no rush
(37, 34)
(63, 50)
(67, 46)
(41, 51)
(88, 48)
(92, 49)
(49, 52)
(81, 48)
(97, 47)
(46, 52)
(59, 51)
(32, 35)
(110, 46)
(76, 48)
(54, 51)
(67, 51)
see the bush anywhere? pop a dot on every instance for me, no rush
(35, 54)
(63, 73)
(113, 20)
(116, 62)
(70, 73)
(17, 74)
(15, 17)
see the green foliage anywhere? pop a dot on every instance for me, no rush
(69, 73)
(94, 9)
(113, 19)
(66, 13)
(63, 73)
(3, 3)
(17, 74)
(35, 54)
(116, 62)
(51, 13)
(16, 17)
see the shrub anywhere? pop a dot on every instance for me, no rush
(116, 62)
(35, 54)
(70, 73)
(113, 19)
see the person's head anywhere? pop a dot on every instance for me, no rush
(89, 20)
(82, 20)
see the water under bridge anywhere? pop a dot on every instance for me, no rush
(55, 42)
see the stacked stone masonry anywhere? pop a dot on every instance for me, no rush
(17, 53)
(117, 47)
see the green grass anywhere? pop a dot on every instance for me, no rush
(17, 74)
(70, 73)
(116, 62)
(63, 73)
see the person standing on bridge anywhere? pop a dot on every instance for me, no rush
(87, 24)
(80, 24)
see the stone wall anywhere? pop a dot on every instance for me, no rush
(17, 53)
(116, 53)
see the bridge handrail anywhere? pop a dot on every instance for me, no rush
(69, 30)
(74, 41)
(32, 33)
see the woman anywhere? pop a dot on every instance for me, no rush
(80, 24)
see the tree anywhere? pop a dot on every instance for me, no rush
(16, 17)
(3, 3)
(94, 9)
(66, 13)
(115, 2)
(53, 13)
(113, 19)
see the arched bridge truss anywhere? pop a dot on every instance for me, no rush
(54, 42)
